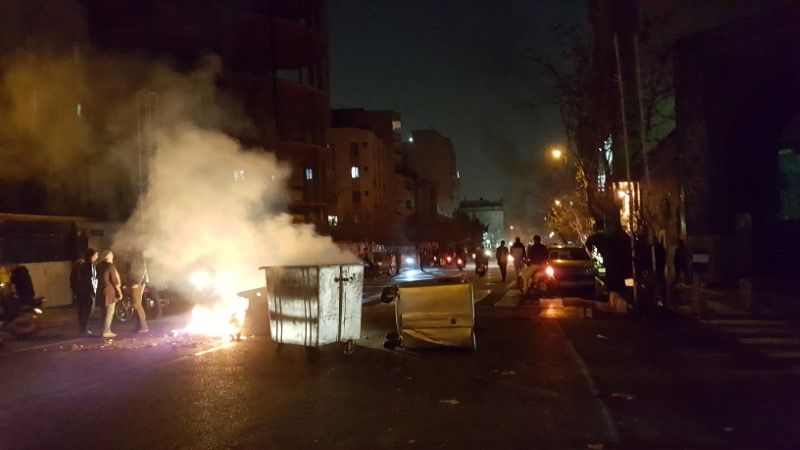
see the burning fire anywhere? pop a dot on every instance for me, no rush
(225, 317)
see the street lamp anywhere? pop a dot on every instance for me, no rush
(558, 202)
(556, 153)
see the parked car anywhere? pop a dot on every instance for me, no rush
(573, 268)
(381, 265)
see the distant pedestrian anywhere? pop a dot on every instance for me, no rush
(502, 259)
(518, 252)
(679, 263)
(84, 277)
(109, 290)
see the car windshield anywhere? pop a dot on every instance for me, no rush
(569, 253)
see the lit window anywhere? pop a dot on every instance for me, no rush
(458, 174)
(354, 172)
(333, 221)
(238, 175)
(309, 174)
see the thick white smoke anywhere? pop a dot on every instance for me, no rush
(211, 205)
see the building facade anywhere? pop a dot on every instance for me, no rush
(274, 66)
(491, 214)
(433, 157)
(365, 181)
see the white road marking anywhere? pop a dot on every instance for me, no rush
(509, 300)
(770, 341)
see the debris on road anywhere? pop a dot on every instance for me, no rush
(623, 395)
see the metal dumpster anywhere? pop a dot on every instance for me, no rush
(438, 313)
(315, 305)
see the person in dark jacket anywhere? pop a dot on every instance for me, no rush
(502, 259)
(85, 290)
(23, 285)
(109, 290)
(679, 263)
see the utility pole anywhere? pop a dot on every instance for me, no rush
(627, 171)
(147, 112)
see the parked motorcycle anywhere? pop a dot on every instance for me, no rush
(154, 302)
(26, 321)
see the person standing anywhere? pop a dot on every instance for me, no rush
(502, 259)
(23, 285)
(679, 263)
(138, 279)
(109, 290)
(84, 278)
(518, 252)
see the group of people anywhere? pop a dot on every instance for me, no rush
(532, 256)
(96, 283)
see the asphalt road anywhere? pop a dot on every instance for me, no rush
(542, 377)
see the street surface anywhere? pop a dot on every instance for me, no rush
(550, 374)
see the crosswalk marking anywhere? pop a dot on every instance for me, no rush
(744, 322)
(509, 300)
(770, 341)
(782, 354)
(762, 330)
(778, 339)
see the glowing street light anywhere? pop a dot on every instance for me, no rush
(556, 153)
(558, 202)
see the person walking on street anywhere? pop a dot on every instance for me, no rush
(85, 290)
(109, 290)
(518, 252)
(138, 279)
(502, 259)
(679, 264)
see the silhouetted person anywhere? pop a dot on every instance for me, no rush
(85, 281)
(518, 252)
(679, 263)
(502, 259)
(23, 285)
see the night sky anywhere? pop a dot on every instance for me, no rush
(456, 66)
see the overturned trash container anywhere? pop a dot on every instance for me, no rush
(315, 305)
(430, 314)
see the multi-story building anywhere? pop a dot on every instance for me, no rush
(433, 157)
(43, 131)
(364, 173)
(274, 64)
(364, 144)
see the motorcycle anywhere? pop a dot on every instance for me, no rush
(20, 320)
(460, 263)
(481, 268)
(154, 303)
(541, 281)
